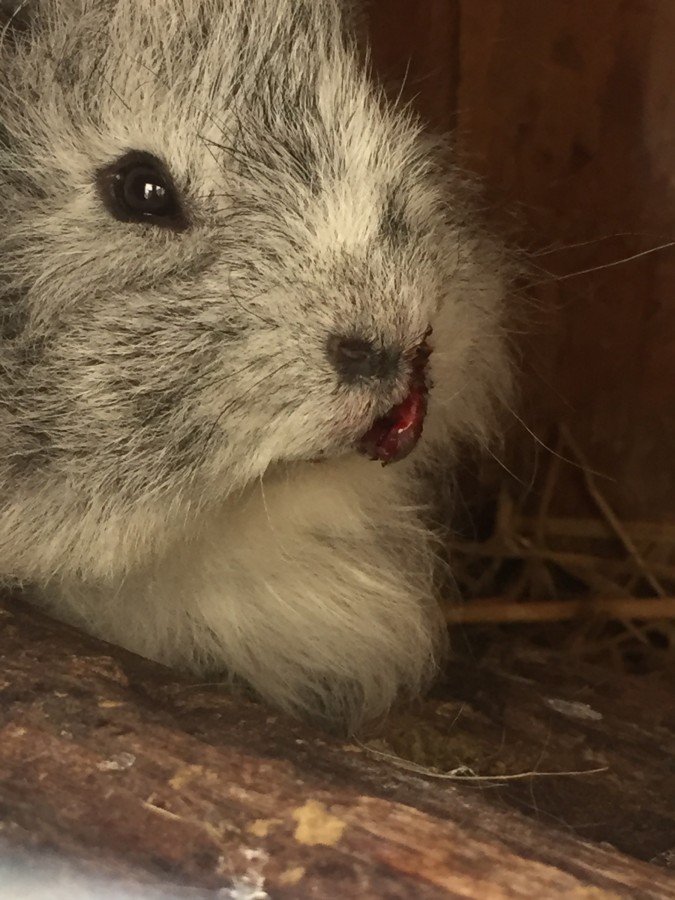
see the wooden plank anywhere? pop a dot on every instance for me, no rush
(124, 769)
(566, 109)
(415, 50)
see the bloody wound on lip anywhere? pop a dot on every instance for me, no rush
(395, 435)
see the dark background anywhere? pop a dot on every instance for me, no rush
(566, 108)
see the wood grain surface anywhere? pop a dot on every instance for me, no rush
(566, 109)
(115, 768)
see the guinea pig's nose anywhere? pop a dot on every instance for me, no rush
(355, 358)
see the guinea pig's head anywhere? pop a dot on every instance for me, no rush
(220, 251)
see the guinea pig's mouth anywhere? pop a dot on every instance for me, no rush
(395, 435)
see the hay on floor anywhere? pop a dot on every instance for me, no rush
(602, 587)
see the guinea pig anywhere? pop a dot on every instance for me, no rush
(245, 305)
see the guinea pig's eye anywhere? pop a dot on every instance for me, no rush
(138, 188)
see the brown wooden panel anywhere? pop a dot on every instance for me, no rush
(415, 51)
(567, 110)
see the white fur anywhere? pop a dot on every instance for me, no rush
(164, 396)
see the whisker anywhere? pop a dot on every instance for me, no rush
(559, 248)
(550, 450)
(609, 265)
(502, 465)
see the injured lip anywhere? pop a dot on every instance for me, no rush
(395, 435)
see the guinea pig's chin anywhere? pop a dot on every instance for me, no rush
(337, 442)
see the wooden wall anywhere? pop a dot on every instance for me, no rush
(567, 109)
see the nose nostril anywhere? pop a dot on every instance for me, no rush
(355, 358)
(354, 350)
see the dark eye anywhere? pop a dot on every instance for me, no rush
(138, 188)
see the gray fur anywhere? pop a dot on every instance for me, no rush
(164, 393)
